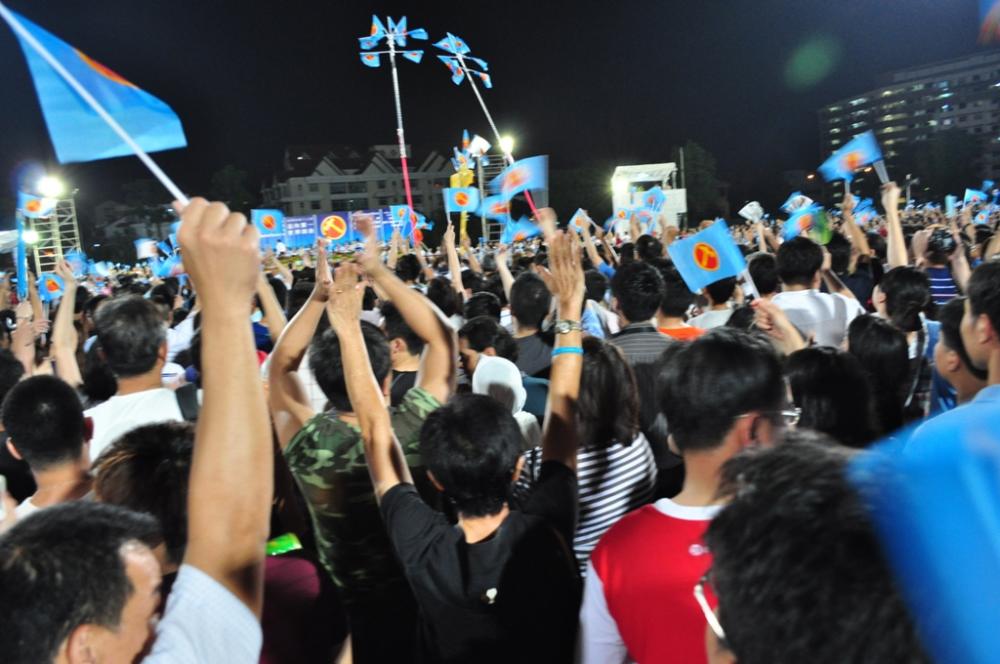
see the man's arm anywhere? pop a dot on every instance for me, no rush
(64, 336)
(830, 278)
(506, 278)
(559, 440)
(274, 315)
(588, 245)
(896, 242)
(470, 255)
(854, 233)
(437, 364)
(386, 463)
(454, 266)
(393, 250)
(287, 398)
(231, 485)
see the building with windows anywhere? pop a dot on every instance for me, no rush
(914, 103)
(318, 178)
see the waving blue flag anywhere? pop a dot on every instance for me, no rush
(461, 199)
(707, 257)
(495, 207)
(518, 231)
(522, 175)
(579, 221)
(974, 196)
(78, 133)
(35, 207)
(268, 222)
(860, 151)
(654, 198)
(796, 201)
(50, 287)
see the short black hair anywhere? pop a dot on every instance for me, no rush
(297, 297)
(61, 568)
(494, 284)
(397, 328)
(471, 445)
(831, 389)
(984, 292)
(529, 300)
(482, 303)
(950, 317)
(763, 269)
(638, 287)
(608, 406)
(483, 332)
(884, 353)
(677, 297)
(131, 330)
(721, 291)
(799, 259)
(703, 385)
(596, 285)
(840, 253)
(44, 419)
(328, 366)
(648, 247)
(907, 293)
(441, 293)
(11, 372)
(408, 267)
(794, 534)
(148, 470)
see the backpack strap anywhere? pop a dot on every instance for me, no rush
(187, 401)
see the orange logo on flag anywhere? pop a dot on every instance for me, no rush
(104, 71)
(374, 29)
(461, 199)
(621, 214)
(806, 222)
(519, 236)
(401, 213)
(853, 161)
(514, 179)
(34, 205)
(706, 257)
(267, 221)
(333, 227)
(499, 208)
(369, 57)
(51, 285)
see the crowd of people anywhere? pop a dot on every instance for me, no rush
(553, 451)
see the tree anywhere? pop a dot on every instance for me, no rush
(703, 187)
(230, 185)
(945, 162)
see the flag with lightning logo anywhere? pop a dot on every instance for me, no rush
(707, 257)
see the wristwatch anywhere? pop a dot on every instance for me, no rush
(567, 326)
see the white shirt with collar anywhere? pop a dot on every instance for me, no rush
(825, 316)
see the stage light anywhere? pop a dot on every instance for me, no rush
(51, 187)
(507, 144)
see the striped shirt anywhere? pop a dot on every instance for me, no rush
(612, 481)
(641, 342)
(943, 288)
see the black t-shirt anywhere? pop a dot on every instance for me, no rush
(402, 381)
(534, 356)
(513, 597)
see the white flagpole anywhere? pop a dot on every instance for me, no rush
(94, 104)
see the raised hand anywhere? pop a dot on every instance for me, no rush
(346, 295)
(564, 277)
(65, 272)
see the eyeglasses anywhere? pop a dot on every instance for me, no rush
(710, 617)
(789, 417)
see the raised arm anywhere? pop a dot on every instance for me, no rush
(231, 486)
(854, 233)
(286, 396)
(419, 250)
(22, 339)
(393, 250)
(565, 280)
(470, 255)
(506, 278)
(830, 278)
(588, 245)
(386, 463)
(454, 266)
(896, 244)
(274, 315)
(64, 336)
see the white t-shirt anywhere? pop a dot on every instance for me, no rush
(204, 622)
(825, 315)
(711, 319)
(26, 508)
(120, 414)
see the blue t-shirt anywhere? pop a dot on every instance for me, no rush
(943, 287)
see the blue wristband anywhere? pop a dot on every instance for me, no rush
(567, 350)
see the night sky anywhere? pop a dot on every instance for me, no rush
(583, 82)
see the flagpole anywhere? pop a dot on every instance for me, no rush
(508, 157)
(94, 104)
(399, 128)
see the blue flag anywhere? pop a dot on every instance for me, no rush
(579, 221)
(860, 151)
(974, 196)
(518, 231)
(336, 228)
(21, 257)
(268, 222)
(78, 133)
(495, 207)
(810, 221)
(707, 257)
(654, 198)
(371, 59)
(77, 261)
(145, 248)
(461, 199)
(50, 287)
(35, 207)
(522, 175)
(796, 201)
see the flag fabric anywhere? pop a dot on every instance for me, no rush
(495, 207)
(810, 221)
(752, 211)
(145, 248)
(453, 44)
(378, 28)
(645, 217)
(399, 214)
(522, 175)
(371, 59)
(100, 269)
(35, 207)
(654, 198)
(707, 257)
(974, 196)
(50, 287)
(579, 221)
(21, 257)
(860, 151)
(167, 267)
(412, 56)
(518, 231)
(988, 185)
(950, 205)
(989, 24)
(77, 261)
(269, 223)
(795, 202)
(165, 248)
(78, 133)
(335, 228)
(461, 199)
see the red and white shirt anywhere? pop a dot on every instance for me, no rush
(638, 602)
